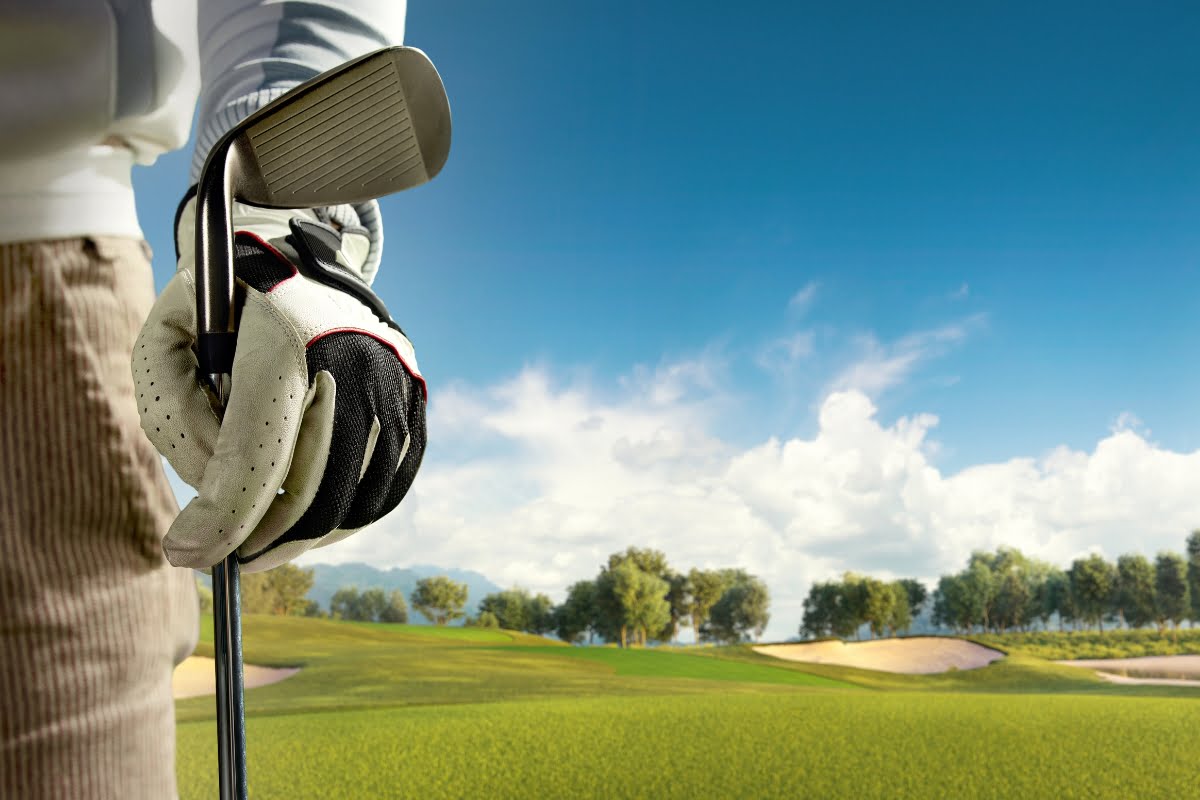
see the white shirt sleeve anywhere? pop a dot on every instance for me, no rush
(252, 51)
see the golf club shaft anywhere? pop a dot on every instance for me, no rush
(231, 710)
(216, 328)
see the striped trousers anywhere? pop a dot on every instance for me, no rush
(92, 617)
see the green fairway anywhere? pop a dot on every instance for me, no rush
(860, 745)
(413, 711)
(664, 663)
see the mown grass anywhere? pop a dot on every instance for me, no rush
(664, 663)
(413, 711)
(854, 744)
(364, 665)
(1060, 645)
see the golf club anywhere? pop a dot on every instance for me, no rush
(373, 126)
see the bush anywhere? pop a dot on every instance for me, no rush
(1061, 646)
(486, 619)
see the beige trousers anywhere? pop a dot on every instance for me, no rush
(92, 617)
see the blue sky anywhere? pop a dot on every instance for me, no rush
(987, 215)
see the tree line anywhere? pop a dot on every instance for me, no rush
(284, 590)
(637, 597)
(1008, 591)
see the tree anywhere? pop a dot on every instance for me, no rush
(281, 590)
(1036, 577)
(577, 615)
(853, 606)
(256, 599)
(1013, 606)
(916, 593)
(510, 607)
(878, 604)
(901, 617)
(742, 612)
(610, 618)
(485, 619)
(371, 605)
(981, 585)
(541, 615)
(848, 613)
(952, 604)
(821, 609)
(679, 599)
(344, 604)
(396, 610)
(439, 599)
(1092, 582)
(1051, 595)
(648, 560)
(289, 586)
(706, 586)
(1193, 557)
(1135, 590)
(1171, 589)
(517, 610)
(642, 599)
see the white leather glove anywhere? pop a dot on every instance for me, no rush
(325, 425)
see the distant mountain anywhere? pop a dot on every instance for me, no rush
(328, 578)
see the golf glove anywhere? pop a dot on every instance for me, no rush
(325, 425)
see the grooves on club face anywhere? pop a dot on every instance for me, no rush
(377, 126)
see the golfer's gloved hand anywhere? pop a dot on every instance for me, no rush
(325, 425)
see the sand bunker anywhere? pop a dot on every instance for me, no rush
(197, 676)
(1146, 670)
(918, 655)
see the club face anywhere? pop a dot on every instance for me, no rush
(377, 126)
(371, 127)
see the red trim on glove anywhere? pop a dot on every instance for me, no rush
(416, 375)
(268, 246)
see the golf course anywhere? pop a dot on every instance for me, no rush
(379, 710)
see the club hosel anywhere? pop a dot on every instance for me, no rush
(216, 324)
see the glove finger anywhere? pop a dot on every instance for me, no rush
(262, 549)
(355, 360)
(382, 456)
(410, 460)
(339, 479)
(173, 409)
(412, 451)
(254, 447)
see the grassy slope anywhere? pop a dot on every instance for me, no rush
(802, 744)
(401, 711)
(665, 663)
(363, 665)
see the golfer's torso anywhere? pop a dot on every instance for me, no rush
(87, 89)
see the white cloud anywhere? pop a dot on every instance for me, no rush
(578, 471)
(880, 366)
(782, 354)
(802, 300)
(961, 293)
(1128, 421)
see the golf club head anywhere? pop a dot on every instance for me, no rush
(373, 126)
